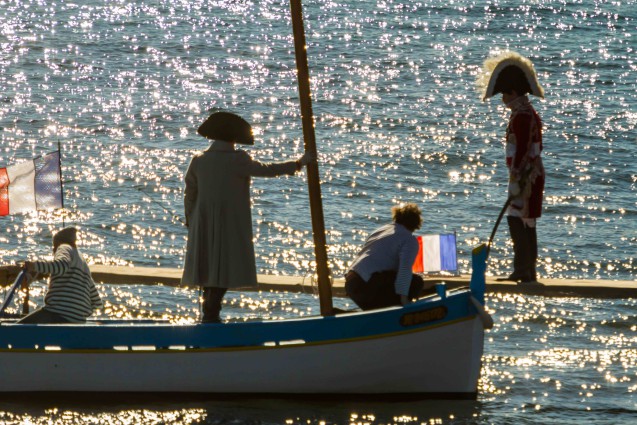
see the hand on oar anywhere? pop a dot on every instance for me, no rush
(31, 273)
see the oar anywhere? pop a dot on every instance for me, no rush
(12, 290)
(522, 182)
(497, 223)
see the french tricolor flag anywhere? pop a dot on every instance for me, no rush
(31, 185)
(437, 253)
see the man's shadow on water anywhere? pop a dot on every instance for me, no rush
(139, 409)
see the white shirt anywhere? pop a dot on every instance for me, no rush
(390, 247)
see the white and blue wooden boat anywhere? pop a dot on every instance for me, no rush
(430, 348)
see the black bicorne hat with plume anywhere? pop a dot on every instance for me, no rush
(506, 71)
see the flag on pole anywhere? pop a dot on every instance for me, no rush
(436, 253)
(31, 185)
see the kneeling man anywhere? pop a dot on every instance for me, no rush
(381, 275)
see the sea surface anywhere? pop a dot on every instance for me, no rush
(123, 85)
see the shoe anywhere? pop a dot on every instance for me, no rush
(511, 278)
(529, 278)
(530, 281)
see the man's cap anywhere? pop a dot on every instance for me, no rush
(67, 235)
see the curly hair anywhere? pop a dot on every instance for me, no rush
(409, 215)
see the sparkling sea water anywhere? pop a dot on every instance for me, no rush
(123, 85)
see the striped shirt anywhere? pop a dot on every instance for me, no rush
(72, 293)
(391, 247)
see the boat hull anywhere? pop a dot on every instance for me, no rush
(428, 348)
(441, 359)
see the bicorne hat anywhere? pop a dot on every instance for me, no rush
(508, 70)
(227, 127)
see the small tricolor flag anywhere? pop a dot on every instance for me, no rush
(437, 253)
(31, 185)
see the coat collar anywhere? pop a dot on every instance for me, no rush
(519, 102)
(219, 145)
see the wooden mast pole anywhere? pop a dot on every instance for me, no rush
(307, 117)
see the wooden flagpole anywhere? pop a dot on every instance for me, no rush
(61, 182)
(316, 206)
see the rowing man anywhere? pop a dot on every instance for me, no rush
(72, 296)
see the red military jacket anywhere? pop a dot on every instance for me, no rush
(523, 158)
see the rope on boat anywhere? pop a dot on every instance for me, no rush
(313, 285)
(174, 215)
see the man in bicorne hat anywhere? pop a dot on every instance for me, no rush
(514, 76)
(220, 251)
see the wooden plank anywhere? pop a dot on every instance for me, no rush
(171, 276)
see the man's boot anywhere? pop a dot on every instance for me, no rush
(520, 251)
(211, 307)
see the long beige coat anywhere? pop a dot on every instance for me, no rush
(219, 252)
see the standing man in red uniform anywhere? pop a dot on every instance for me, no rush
(514, 76)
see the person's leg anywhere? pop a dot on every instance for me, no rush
(212, 298)
(382, 290)
(531, 237)
(416, 287)
(357, 289)
(42, 315)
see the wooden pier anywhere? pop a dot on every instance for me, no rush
(171, 276)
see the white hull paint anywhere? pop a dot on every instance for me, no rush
(438, 359)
